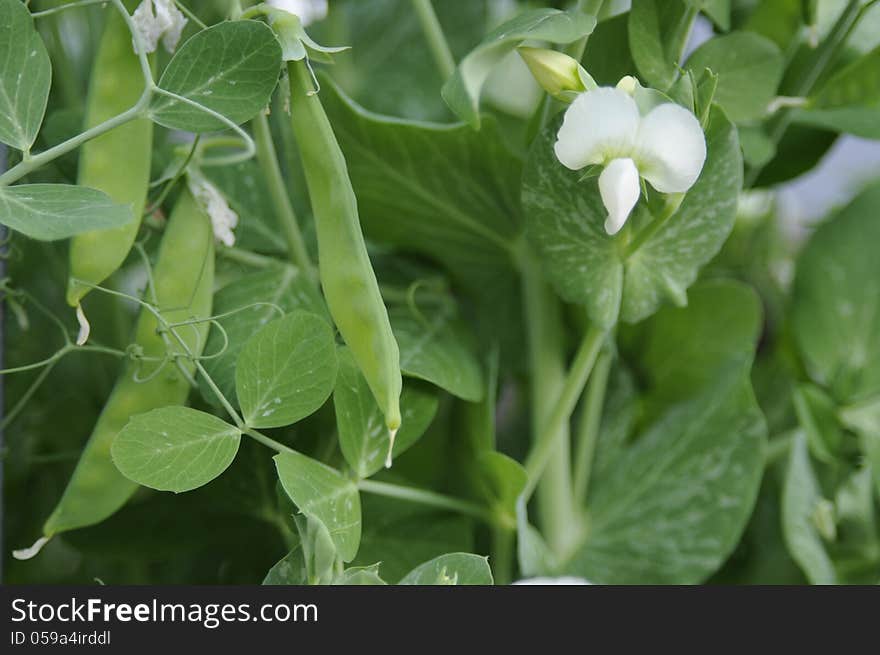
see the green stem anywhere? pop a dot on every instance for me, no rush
(543, 449)
(267, 441)
(31, 163)
(429, 498)
(436, 38)
(246, 257)
(502, 561)
(588, 428)
(547, 366)
(268, 160)
(673, 202)
(823, 56)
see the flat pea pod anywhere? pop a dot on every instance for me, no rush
(117, 163)
(183, 280)
(347, 277)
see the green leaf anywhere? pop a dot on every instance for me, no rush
(800, 499)
(658, 30)
(836, 301)
(325, 495)
(451, 569)
(717, 10)
(360, 575)
(462, 91)
(849, 101)
(255, 299)
(363, 436)
(57, 211)
(311, 560)
(435, 348)
(749, 69)
(565, 220)
(816, 414)
(286, 371)
(442, 191)
(673, 505)
(779, 21)
(719, 328)
(175, 448)
(230, 68)
(25, 76)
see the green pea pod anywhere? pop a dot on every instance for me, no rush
(117, 163)
(347, 276)
(183, 279)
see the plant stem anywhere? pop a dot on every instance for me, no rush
(268, 160)
(823, 56)
(558, 419)
(267, 441)
(429, 498)
(246, 257)
(502, 555)
(436, 38)
(588, 428)
(547, 366)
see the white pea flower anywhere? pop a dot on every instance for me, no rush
(223, 218)
(604, 127)
(155, 19)
(309, 11)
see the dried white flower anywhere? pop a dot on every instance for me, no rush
(308, 11)
(155, 19)
(603, 127)
(223, 218)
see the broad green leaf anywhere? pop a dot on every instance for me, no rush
(850, 100)
(231, 68)
(779, 20)
(749, 68)
(682, 350)
(175, 448)
(435, 348)
(462, 91)
(57, 211)
(255, 299)
(451, 569)
(800, 501)
(401, 535)
(439, 190)
(388, 52)
(360, 575)
(363, 436)
(836, 303)
(565, 219)
(25, 76)
(673, 505)
(607, 56)
(325, 495)
(658, 32)
(286, 371)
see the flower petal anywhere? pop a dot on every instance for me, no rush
(671, 148)
(620, 189)
(598, 126)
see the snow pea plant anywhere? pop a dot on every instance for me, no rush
(484, 291)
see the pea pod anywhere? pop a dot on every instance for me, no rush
(117, 163)
(347, 276)
(183, 279)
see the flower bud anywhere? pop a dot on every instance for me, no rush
(558, 74)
